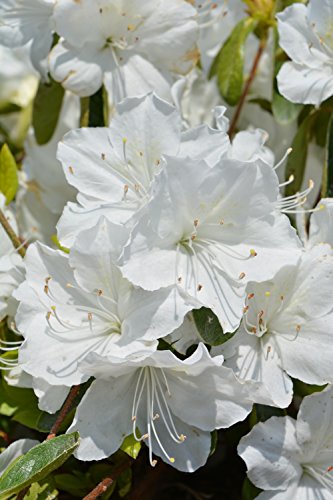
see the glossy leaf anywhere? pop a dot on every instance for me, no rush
(209, 327)
(229, 63)
(37, 463)
(131, 446)
(8, 174)
(46, 110)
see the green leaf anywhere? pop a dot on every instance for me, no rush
(131, 446)
(284, 111)
(124, 482)
(8, 174)
(297, 159)
(37, 463)
(327, 187)
(209, 327)
(229, 63)
(21, 403)
(45, 490)
(264, 412)
(46, 110)
(302, 389)
(249, 491)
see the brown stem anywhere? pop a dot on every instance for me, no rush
(22, 493)
(247, 86)
(11, 234)
(104, 485)
(64, 411)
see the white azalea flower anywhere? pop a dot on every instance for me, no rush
(113, 168)
(287, 327)
(135, 44)
(19, 80)
(71, 306)
(23, 21)
(44, 174)
(211, 230)
(306, 36)
(10, 266)
(172, 403)
(321, 224)
(292, 459)
(15, 450)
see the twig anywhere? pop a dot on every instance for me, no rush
(64, 411)
(104, 485)
(247, 86)
(22, 493)
(11, 234)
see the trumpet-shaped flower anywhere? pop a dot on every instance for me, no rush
(133, 46)
(113, 168)
(211, 230)
(306, 36)
(287, 326)
(23, 21)
(169, 404)
(71, 306)
(292, 459)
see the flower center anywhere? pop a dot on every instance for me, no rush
(152, 385)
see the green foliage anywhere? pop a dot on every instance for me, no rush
(131, 446)
(8, 174)
(21, 404)
(37, 463)
(297, 159)
(249, 491)
(124, 482)
(327, 187)
(228, 65)
(44, 490)
(209, 327)
(46, 110)
(283, 110)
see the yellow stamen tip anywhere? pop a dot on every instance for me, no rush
(268, 294)
(124, 140)
(172, 460)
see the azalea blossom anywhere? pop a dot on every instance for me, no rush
(23, 21)
(133, 47)
(305, 33)
(287, 326)
(211, 230)
(10, 266)
(73, 305)
(292, 459)
(113, 168)
(169, 404)
(321, 224)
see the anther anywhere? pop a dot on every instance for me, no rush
(269, 348)
(179, 279)
(47, 279)
(196, 222)
(130, 27)
(53, 308)
(103, 156)
(254, 330)
(199, 287)
(99, 292)
(253, 253)
(133, 418)
(46, 289)
(145, 436)
(281, 297)
(48, 315)
(71, 170)
(298, 328)
(156, 417)
(245, 309)
(241, 276)
(153, 463)
(221, 222)
(90, 316)
(329, 469)
(182, 437)
(172, 460)
(267, 294)
(193, 237)
(250, 296)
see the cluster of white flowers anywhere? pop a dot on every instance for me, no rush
(159, 214)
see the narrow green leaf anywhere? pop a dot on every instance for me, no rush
(229, 62)
(209, 327)
(8, 174)
(327, 187)
(37, 463)
(46, 110)
(284, 111)
(297, 159)
(131, 446)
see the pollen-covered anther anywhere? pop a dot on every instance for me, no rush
(153, 463)
(193, 237)
(172, 460)
(241, 276)
(90, 316)
(281, 297)
(298, 328)
(99, 292)
(253, 253)
(48, 315)
(124, 140)
(196, 222)
(131, 27)
(53, 308)
(103, 156)
(329, 469)
(47, 279)
(126, 187)
(46, 289)
(250, 296)
(182, 437)
(156, 416)
(199, 287)
(179, 279)
(133, 418)
(71, 170)
(267, 294)
(145, 436)
(245, 309)
(269, 348)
